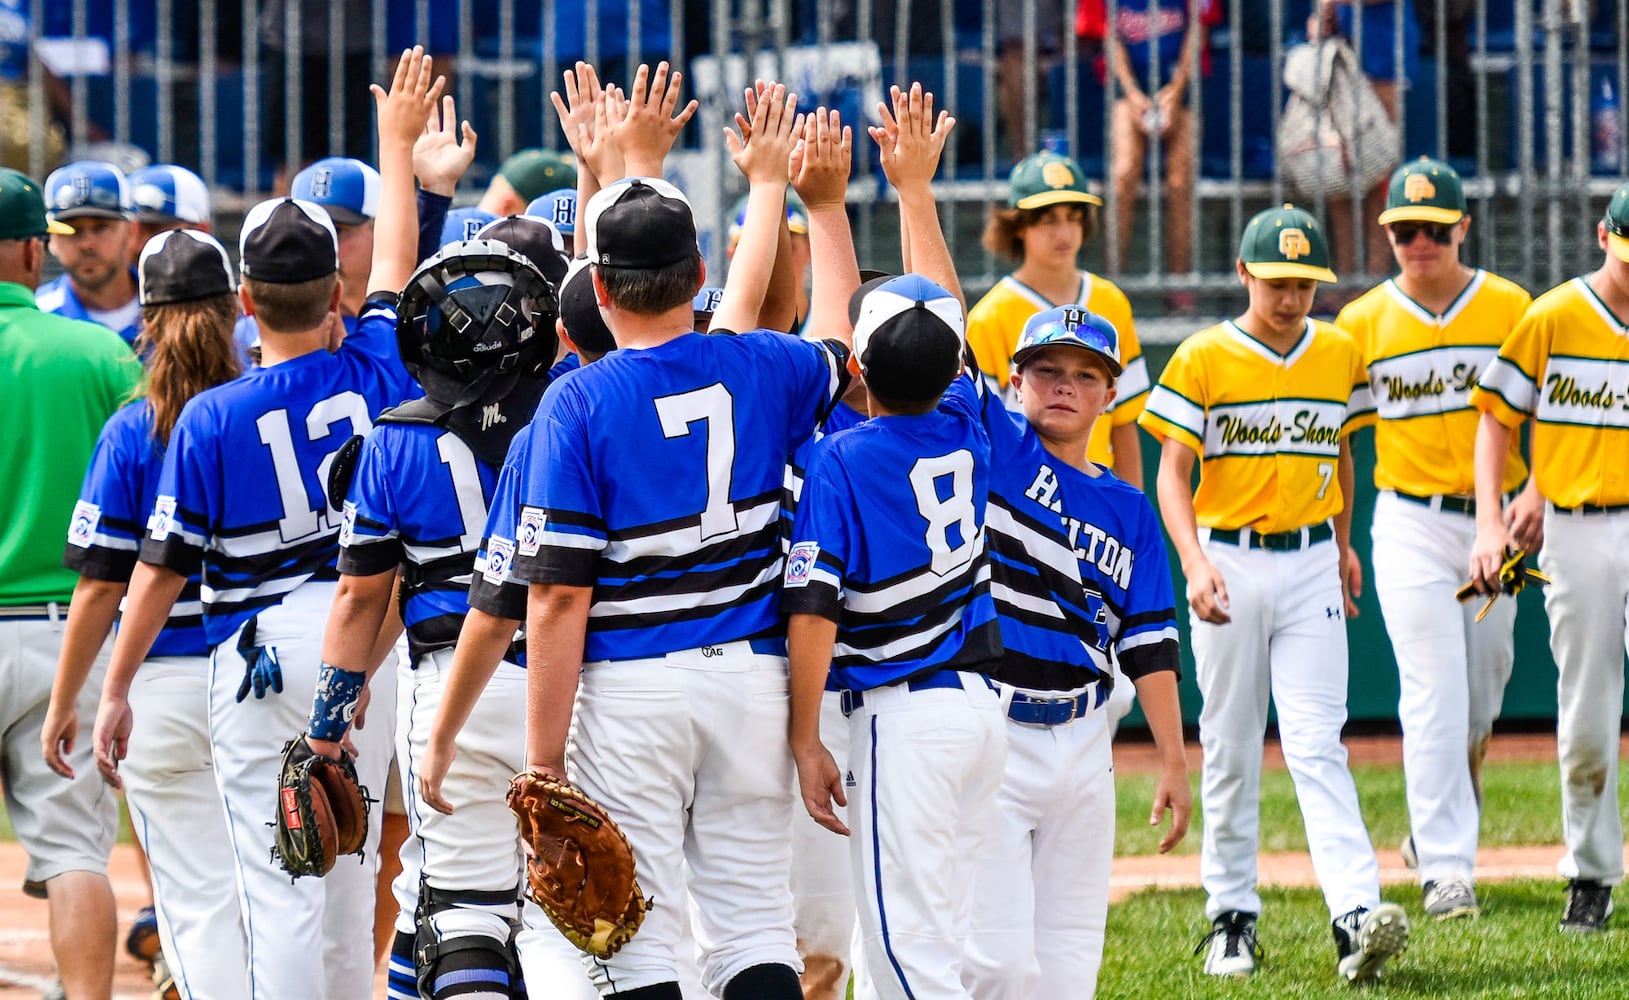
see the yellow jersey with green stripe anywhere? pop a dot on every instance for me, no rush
(1566, 365)
(995, 322)
(1266, 426)
(1422, 368)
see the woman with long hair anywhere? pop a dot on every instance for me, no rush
(189, 306)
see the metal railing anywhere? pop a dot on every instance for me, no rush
(1524, 97)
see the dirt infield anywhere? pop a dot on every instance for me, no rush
(25, 952)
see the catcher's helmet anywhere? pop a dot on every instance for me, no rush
(476, 306)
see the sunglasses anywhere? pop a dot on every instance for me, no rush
(1437, 232)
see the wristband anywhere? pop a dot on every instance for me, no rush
(338, 692)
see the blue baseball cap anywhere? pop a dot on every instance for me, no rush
(909, 338)
(797, 217)
(558, 208)
(347, 188)
(707, 300)
(1070, 326)
(463, 223)
(168, 193)
(88, 189)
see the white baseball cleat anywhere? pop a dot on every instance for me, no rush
(1366, 939)
(1230, 947)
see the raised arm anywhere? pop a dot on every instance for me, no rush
(911, 140)
(645, 126)
(762, 153)
(439, 162)
(582, 111)
(821, 181)
(403, 113)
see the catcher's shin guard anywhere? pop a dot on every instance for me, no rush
(467, 965)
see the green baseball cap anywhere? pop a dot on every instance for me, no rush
(1285, 243)
(533, 173)
(22, 209)
(1616, 222)
(1426, 190)
(1048, 178)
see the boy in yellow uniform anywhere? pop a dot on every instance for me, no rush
(1566, 367)
(1049, 218)
(1267, 403)
(1425, 335)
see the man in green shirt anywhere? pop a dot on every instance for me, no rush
(60, 379)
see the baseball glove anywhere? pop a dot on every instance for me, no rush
(579, 867)
(1514, 576)
(322, 810)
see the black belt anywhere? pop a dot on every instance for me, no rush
(1590, 508)
(33, 612)
(1451, 504)
(1277, 541)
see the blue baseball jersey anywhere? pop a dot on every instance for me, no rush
(1077, 565)
(889, 543)
(104, 537)
(656, 479)
(57, 296)
(243, 493)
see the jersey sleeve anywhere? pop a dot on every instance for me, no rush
(821, 540)
(1360, 407)
(988, 339)
(1176, 407)
(493, 587)
(561, 531)
(375, 339)
(370, 540)
(1132, 387)
(104, 537)
(1148, 630)
(1509, 389)
(821, 374)
(187, 506)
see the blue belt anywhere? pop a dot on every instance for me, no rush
(852, 700)
(1028, 710)
(1278, 541)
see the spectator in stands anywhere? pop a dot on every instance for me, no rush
(98, 283)
(1377, 50)
(1012, 71)
(16, 136)
(524, 177)
(1153, 46)
(167, 197)
(308, 24)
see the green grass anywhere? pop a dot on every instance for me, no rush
(1514, 950)
(1522, 806)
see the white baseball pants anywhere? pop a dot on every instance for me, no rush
(310, 937)
(1587, 557)
(1452, 671)
(1287, 639)
(176, 812)
(822, 878)
(1041, 894)
(927, 766)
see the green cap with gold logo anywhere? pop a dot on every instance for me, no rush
(1048, 178)
(22, 208)
(1426, 190)
(1617, 223)
(1285, 243)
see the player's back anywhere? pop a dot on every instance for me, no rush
(659, 480)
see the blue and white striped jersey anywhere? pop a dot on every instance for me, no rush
(1077, 565)
(104, 537)
(244, 487)
(418, 502)
(889, 543)
(493, 587)
(656, 478)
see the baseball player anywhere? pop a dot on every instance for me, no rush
(98, 283)
(1562, 367)
(242, 495)
(1049, 218)
(1266, 403)
(1079, 576)
(188, 310)
(167, 196)
(1425, 335)
(654, 559)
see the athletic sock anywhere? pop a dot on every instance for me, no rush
(765, 982)
(469, 975)
(402, 982)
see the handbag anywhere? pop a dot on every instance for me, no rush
(1335, 138)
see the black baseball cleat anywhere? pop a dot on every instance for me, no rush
(1589, 905)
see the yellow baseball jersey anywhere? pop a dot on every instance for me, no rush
(1266, 426)
(1422, 369)
(995, 322)
(1566, 365)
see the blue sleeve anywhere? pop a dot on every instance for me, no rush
(562, 524)
(432, 216)
(817, 562)
(104, 537)
(493, 587)
(818, 380)
(374, 338)
(187, 506)
(369, 536)
(1148, 630)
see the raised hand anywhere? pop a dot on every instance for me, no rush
(411, 100)
(439, 159)
(648, 126)
(576, 108)
(821, 163)
(596, 143)
(911, 139)
(763, 148)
